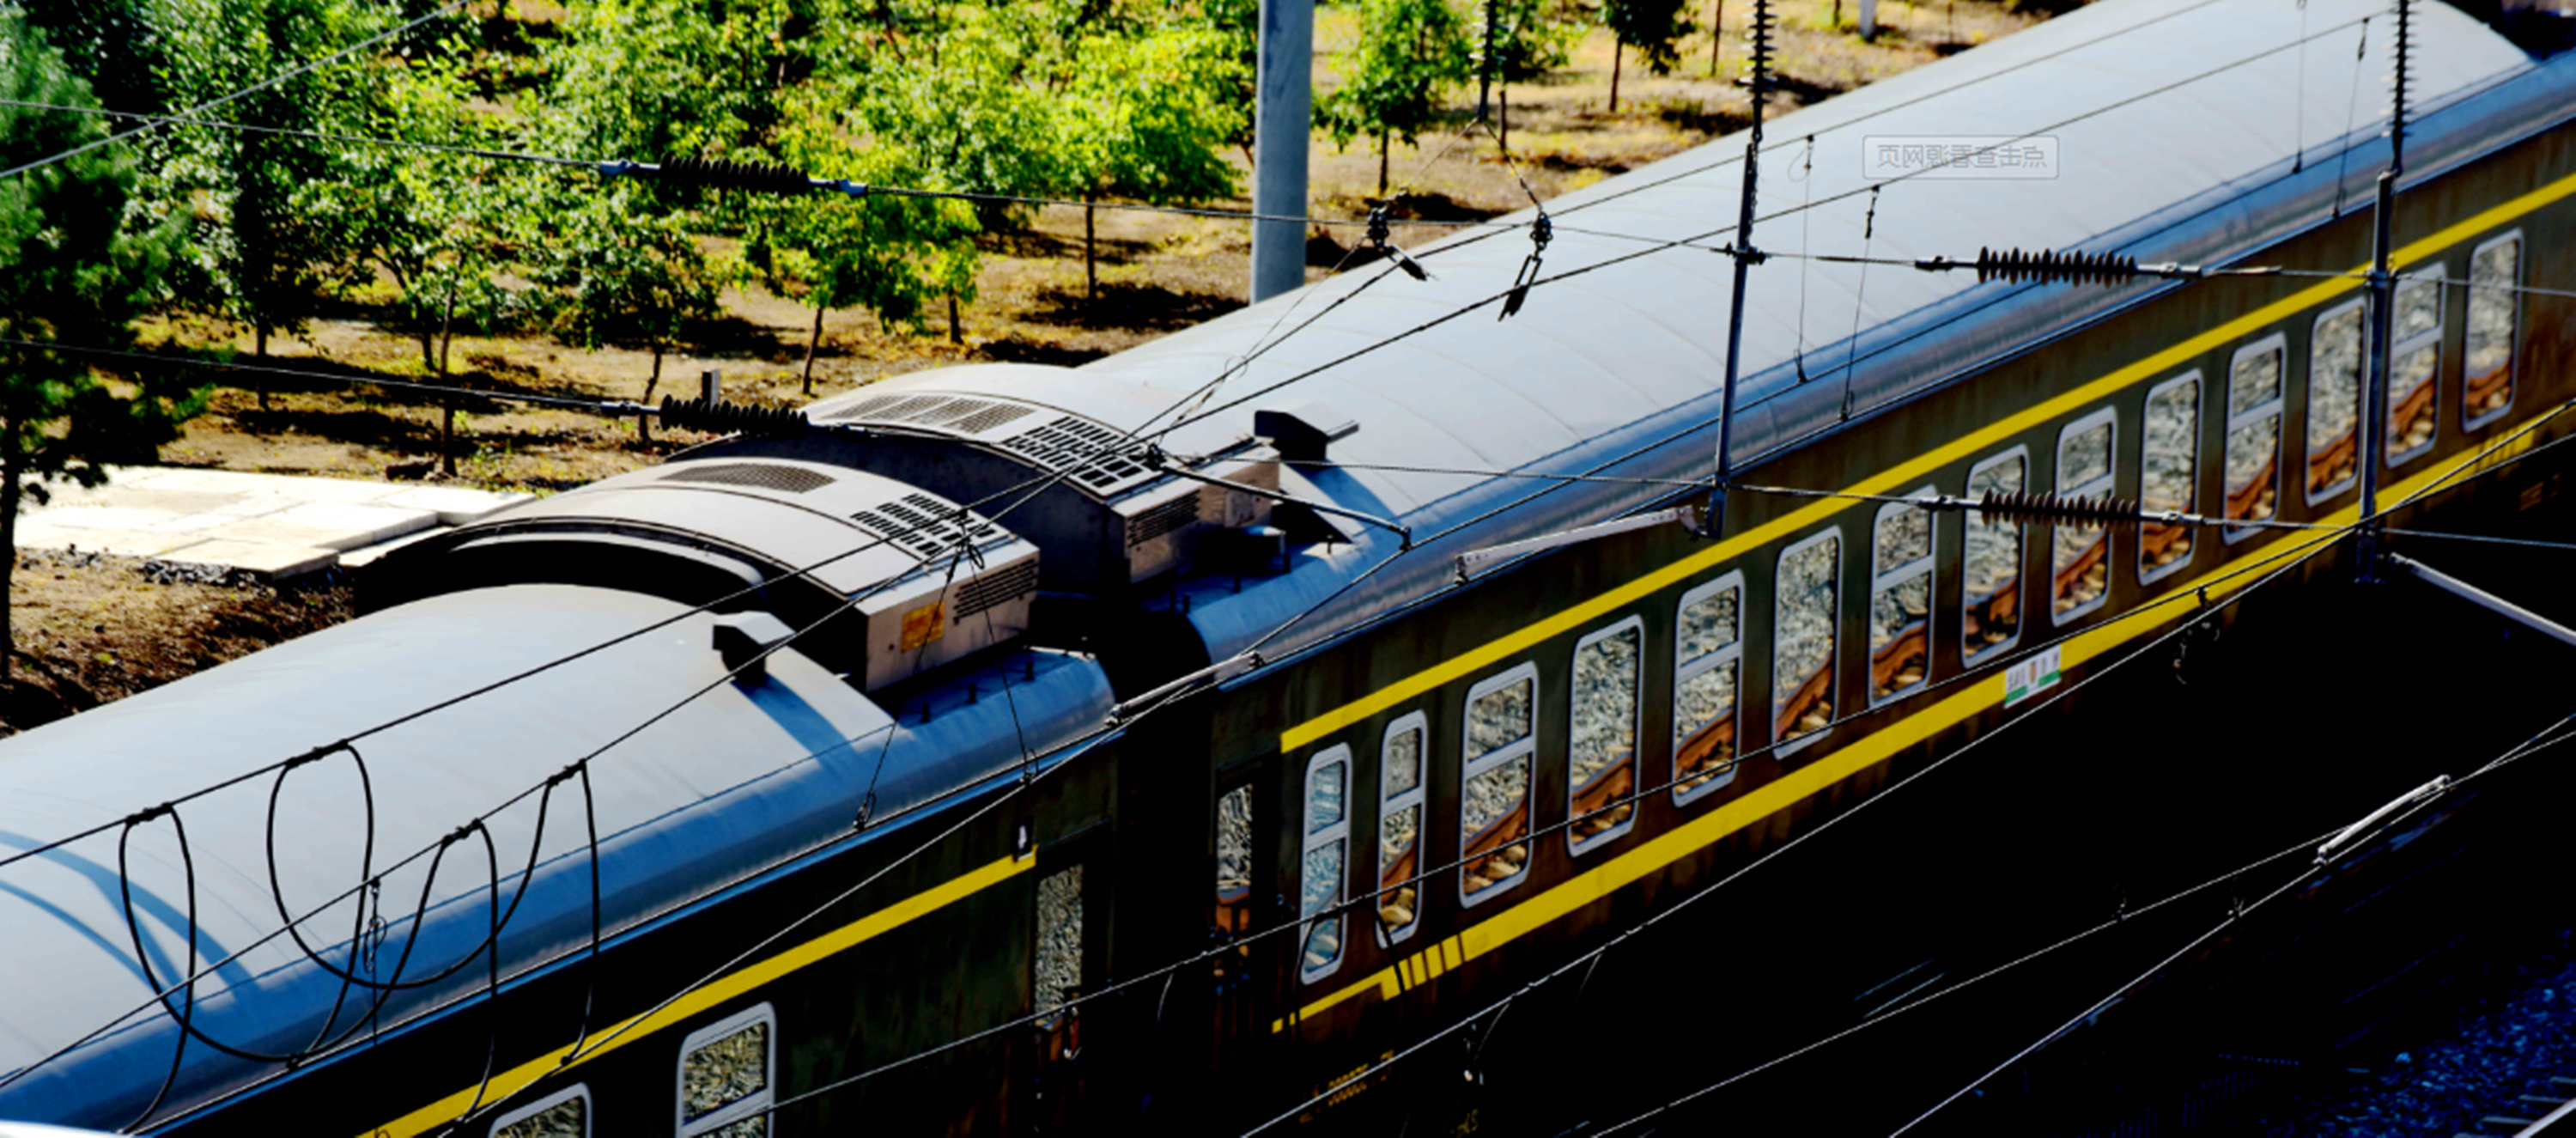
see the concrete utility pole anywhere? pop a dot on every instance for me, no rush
(1282, 122)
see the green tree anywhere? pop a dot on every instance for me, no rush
(72, 270)
(438, 226)
(1397, 76)
(1532, 39)
(1653, 27)
(259, 242)
(620, 271)
(1147, 115)
(884, 253)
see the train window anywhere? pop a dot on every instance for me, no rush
(1234, 862)
(2254, 435)
(2334, 401)
(1493, 795)
(1900, 599)
(2171, 435)
(2414, 358)
(1399, 827)
(1601, 783)
(1233, 916)
(1055, 963)
(2080, 568)
(1802, 649)
(2495, 273)
(726, 1076)
(563, 1114)
(1991, 594)
(1320, 869)
(1706, 654)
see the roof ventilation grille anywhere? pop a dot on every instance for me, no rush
(1162, 519)
(924, 526)
(767, 476)
(1087, 449)
(957, 413)
(990, 589)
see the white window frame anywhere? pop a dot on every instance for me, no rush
(1683, 669)
(1636, 734)
(1925, 567)
(2200, 402)
(1391, 805)
(1524, 749)
(2513, 340)
(2278, 407)
(1314, 839)
(739, 1109)
(576, 1091)
(2360, 410)
(2021, 558)
(2438, 275)
(2105, 484)
(1833, 654)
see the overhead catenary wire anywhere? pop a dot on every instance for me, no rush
(2091, 1010)
(757, 176)
(200, 109)
(2536, 743)
(1911, 1003)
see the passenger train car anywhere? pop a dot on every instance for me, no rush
(1012, 748)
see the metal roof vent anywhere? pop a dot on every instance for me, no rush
(960, 414)
(767, 476)
(1300, 431)
(1091, 451)
(743, 640)
(926, 527)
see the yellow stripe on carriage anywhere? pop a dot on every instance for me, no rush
(1909, 473)
(728, 987)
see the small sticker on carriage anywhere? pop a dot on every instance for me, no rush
(2031, 675)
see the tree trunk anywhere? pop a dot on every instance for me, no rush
(1616, 47)
(446, 402)
(1090, 255)
(1503, 117)
(259, 349)
(1837, 24)
(644, 422)
(811, 346)
(1716, 37)
(956, 335)
(8, 556)
(1384, 140)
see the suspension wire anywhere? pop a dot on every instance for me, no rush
(614, 168)
(2096, 1007)
(1860, 298)
(159, 120)
(599, 406)
(436, 13)
(2125, 917)
(2187, 624)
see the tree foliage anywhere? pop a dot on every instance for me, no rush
(1397, 78)
(72, 270)
(1653, 27)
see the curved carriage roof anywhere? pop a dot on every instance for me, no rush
(2148, 106)
(730, 780)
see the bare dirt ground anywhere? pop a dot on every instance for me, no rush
(88, 632)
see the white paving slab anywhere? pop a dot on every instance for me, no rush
(272, 525)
